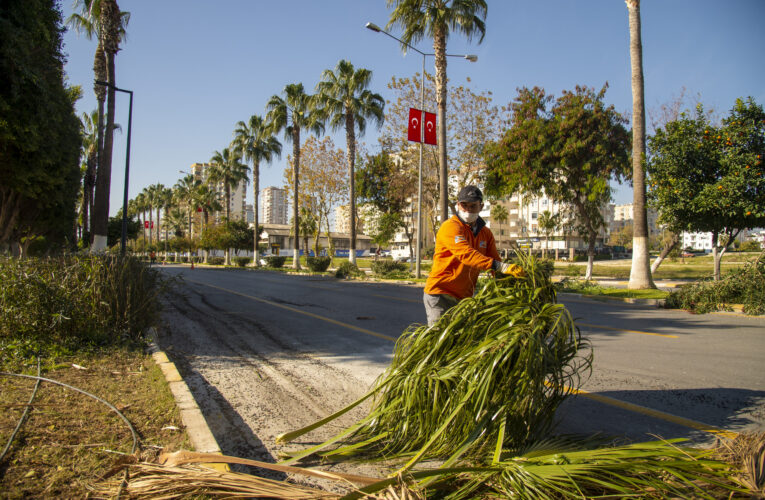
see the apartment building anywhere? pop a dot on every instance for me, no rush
(623, 215)
(273, 202)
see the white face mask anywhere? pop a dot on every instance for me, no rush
(467, 216)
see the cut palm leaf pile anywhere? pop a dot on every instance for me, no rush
(487, 376)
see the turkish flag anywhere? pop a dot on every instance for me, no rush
(430, 128)
(415, 122)
(146, 224)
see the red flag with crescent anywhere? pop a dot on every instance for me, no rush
(430, 128)
(415, 122)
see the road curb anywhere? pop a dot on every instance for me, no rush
(628, 300)
(199, 432)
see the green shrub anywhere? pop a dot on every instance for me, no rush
(276, 261)
(349, 270)
(390, 269)
(216, 261)
(58, 305)
(242, 261)
(318, 264)
(744, 285)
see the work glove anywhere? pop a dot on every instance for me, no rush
(508, 269)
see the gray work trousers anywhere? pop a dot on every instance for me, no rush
(437, 305)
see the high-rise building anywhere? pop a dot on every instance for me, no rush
(343, 220)
(274, 203)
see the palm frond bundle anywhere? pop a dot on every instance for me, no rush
(487, 376)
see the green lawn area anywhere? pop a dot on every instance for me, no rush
(689, 268)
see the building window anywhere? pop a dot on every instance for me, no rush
(534, 215)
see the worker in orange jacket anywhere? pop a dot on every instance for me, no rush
(464, 248)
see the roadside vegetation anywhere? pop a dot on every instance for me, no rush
(743, 285)
(84, 318)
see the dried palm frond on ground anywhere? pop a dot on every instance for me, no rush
(168, 482)
(747, 454)
(487, 376)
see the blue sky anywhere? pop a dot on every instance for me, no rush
(197, 67)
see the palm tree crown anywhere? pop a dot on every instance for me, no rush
(292, 113)
(228, 169)
(346, 102)
(257, 144)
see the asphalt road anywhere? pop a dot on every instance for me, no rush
(656, 372)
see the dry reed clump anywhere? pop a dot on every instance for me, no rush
(746, 452)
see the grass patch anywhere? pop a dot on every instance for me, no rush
(68, 440)
(591, 288)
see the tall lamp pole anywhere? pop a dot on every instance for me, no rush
(469, 57)
(123, 239)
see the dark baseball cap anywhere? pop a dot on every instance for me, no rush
(470, 194)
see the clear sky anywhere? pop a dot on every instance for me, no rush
(197, 67)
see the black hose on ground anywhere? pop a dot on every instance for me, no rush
(111, 407)
(23, 416)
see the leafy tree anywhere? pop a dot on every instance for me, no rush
(640, 274)
(623, 237)
(242, 237)
(710, 179)
(347, 103)
(436, 19)
(392, 188)
(568, 152)
(292, 113)
(39, 131)
(115, 229)
(258, 144)
(325, 182)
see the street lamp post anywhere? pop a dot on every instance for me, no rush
(123, 238)
(469, 57)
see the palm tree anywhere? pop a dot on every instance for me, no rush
(257, 144)
(227, 169)
(499, 214)
(436, 18)
(292, 113)
(346, 102)
(207, 199)
(548, 223)
(640, 274)
(90, 157)
(184, 194)
(166, 201)
(157, 192)
(88, 21)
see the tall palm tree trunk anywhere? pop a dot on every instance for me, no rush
(439, 48)
(99, 71)
(350, 140)
(255, 192)
(640, 274)
(295, 184)
(227, 251)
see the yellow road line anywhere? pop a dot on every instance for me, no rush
(299, 311)
(693, 424)
(686, 422)
(616, 329)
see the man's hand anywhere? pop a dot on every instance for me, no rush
(508, 269)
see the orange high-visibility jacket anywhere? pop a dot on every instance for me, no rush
(460, 257)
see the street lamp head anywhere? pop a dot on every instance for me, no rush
(373, 27)
(471, 57)
(101, 82)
